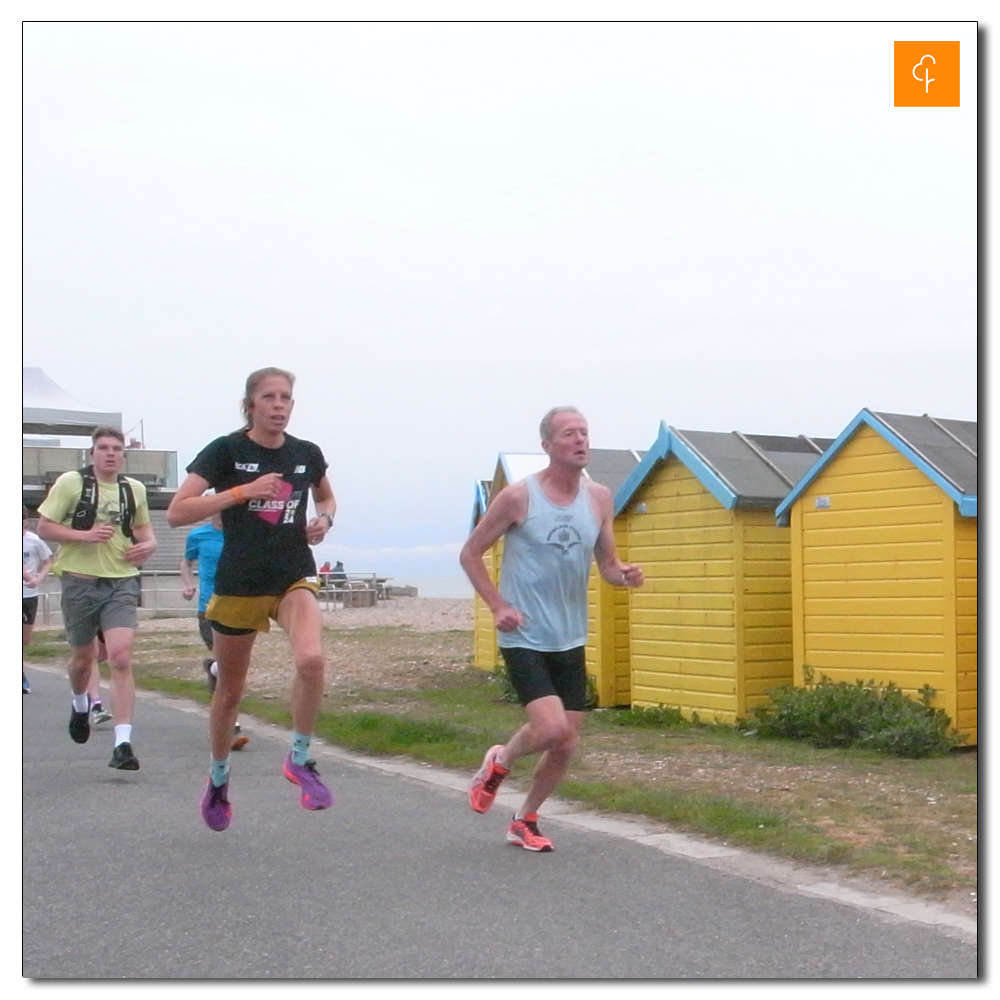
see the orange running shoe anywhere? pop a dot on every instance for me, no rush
(524, 833)
(486, 782)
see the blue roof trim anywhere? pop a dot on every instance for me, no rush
(866, 416)
(478, 504)
(781, 513)
(669, 443)
(657, 452)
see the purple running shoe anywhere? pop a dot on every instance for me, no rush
(315, 795)
(215, 808)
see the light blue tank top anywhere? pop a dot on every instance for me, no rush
(545, 569)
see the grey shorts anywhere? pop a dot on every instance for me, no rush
(90, 604)
(205, 630)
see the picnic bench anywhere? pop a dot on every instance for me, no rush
(357, 590)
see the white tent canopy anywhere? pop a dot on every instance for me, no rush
(46, 409)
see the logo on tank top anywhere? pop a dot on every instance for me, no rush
(564, 538)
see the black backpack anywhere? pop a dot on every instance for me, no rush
(86, 509)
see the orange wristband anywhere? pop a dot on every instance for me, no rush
(238, 493)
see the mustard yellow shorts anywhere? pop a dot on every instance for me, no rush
(241, 615)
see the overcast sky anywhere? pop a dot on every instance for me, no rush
(445, 229)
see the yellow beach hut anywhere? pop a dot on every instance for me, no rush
(710, 632)
(484, 651)
(607, 646)
(510, 468)
(884, 536)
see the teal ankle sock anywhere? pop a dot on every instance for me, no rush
(300, 748)
(219, 772)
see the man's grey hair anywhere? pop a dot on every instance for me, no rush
(545, 427)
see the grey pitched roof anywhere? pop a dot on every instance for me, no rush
(794, 456)
(612, 466)
(759, 469)
(951, 447)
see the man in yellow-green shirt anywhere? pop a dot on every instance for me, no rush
(100, 519)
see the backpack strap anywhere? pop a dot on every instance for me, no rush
(85, 513)
(126, 504)
(86, 507)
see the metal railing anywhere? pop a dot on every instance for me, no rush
(40, 465)
(358, 590)
(162, 597)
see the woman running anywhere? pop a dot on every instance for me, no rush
(262, 475)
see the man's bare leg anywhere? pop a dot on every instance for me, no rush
(119, 643)
(553, 765)
(555, 733)
(548, 724)
(82, 660)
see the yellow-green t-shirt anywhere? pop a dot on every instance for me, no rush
(103, 559)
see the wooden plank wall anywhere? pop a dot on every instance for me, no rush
(763, 608)
(966, 624)
(683, 629)
(486, 652)
(871, 570)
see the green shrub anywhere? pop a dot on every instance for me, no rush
(660, 717)
(859, 714)
(502, 679)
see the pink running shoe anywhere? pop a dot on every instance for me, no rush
(215, 808)
(315, 795)
(486, 782)
(524, 833)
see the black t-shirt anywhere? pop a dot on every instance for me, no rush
(265, 549)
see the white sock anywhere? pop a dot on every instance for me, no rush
(81, 703)
(214, 669)
(123, 734)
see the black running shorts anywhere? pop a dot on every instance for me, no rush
(536, 674)
(205, 629)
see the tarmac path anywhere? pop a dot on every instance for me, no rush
(400, 880)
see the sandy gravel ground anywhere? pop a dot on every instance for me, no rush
(391, 661)
(422, 614)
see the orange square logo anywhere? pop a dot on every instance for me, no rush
(925, 75)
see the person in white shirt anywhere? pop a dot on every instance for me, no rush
(36, 561)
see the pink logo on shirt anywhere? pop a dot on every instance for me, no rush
(272, 510)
